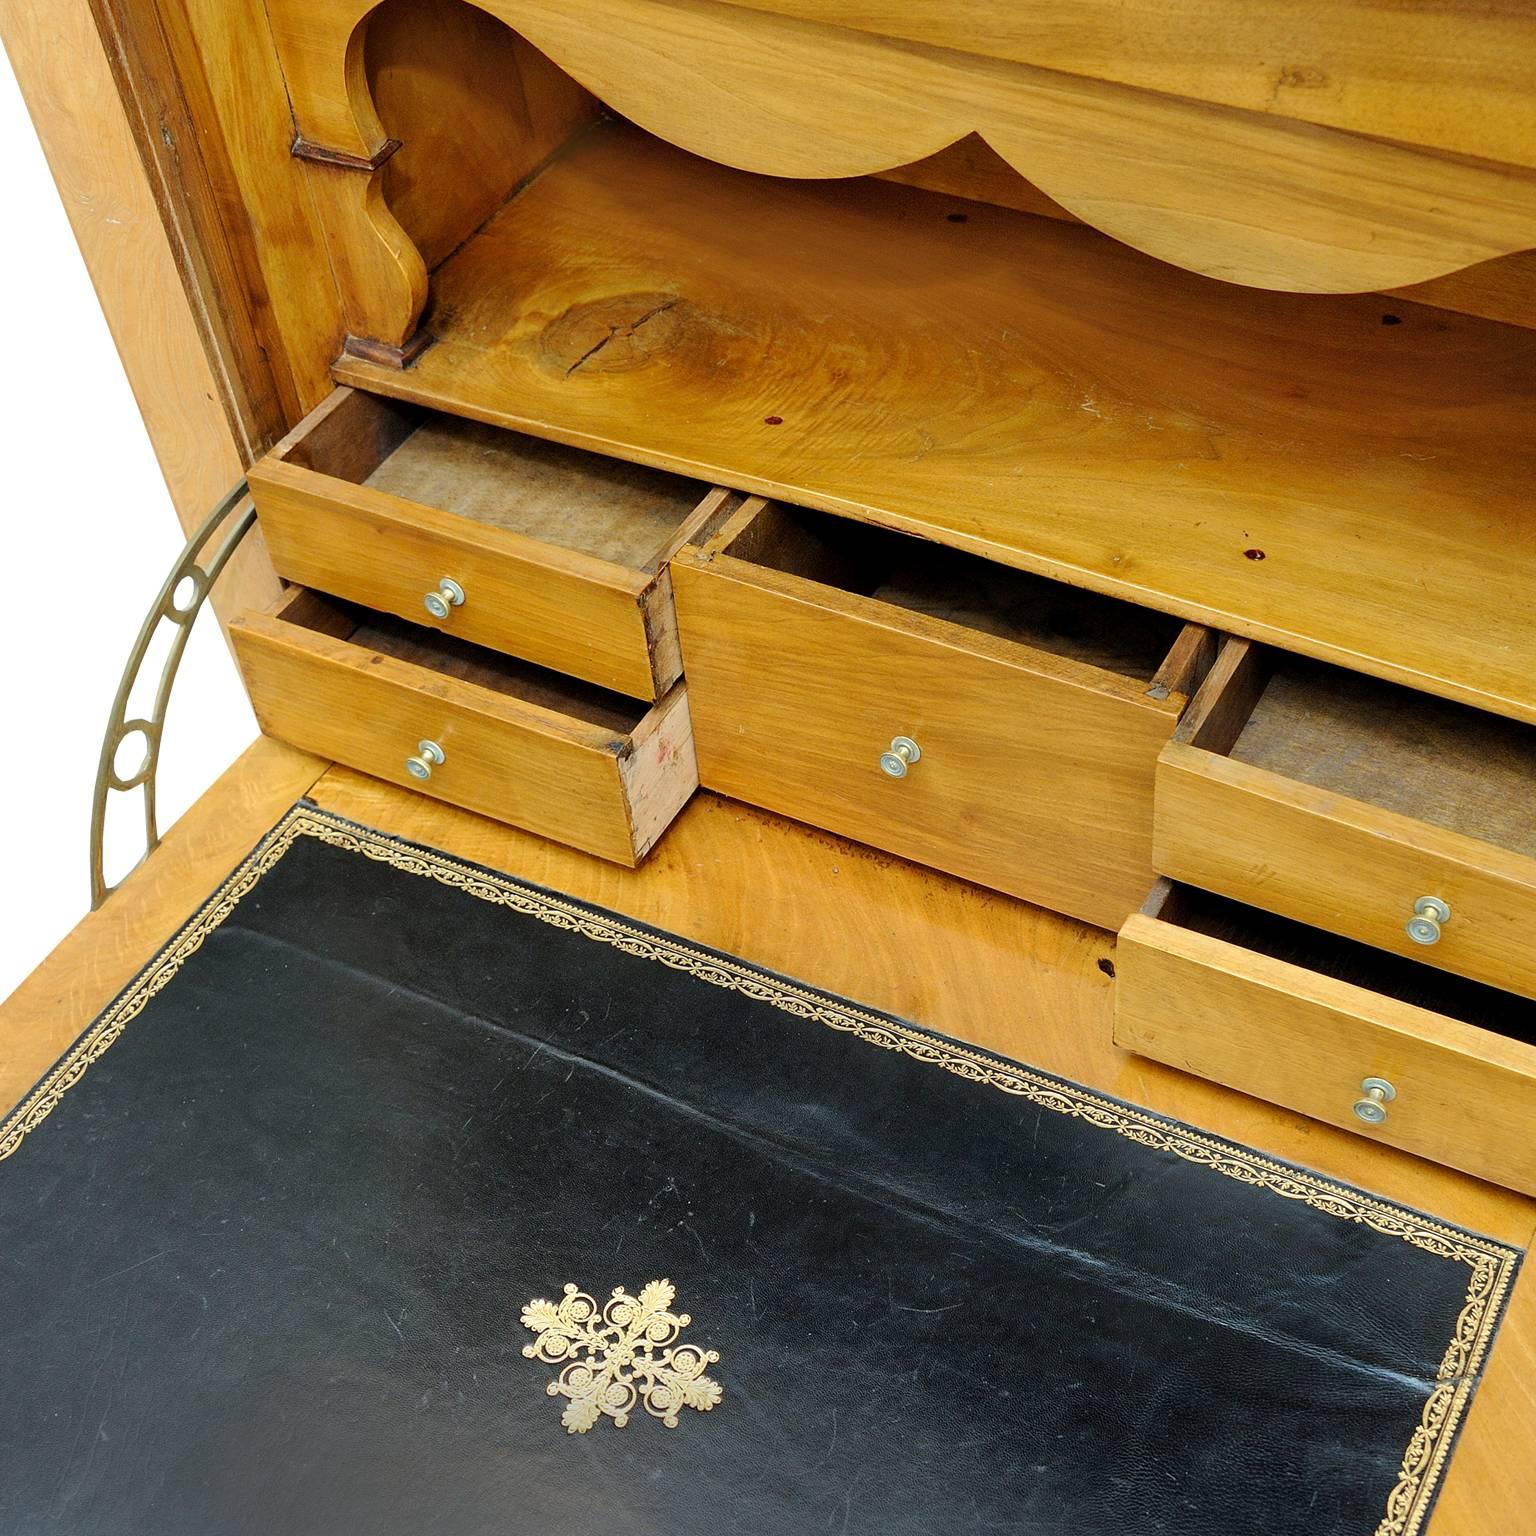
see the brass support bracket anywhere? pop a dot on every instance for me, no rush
(178, 603)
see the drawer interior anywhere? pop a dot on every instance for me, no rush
(1361, 965)
(960, 588)
(1438, 762)
(622, 513)
(1341, 472)
(450, 657)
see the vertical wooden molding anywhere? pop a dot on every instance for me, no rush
(62, 66)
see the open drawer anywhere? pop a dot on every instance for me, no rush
(510, 740)
(990, 723)
(1350, 804)
(1425, 1060)
(507, 541)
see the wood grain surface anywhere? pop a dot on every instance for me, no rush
(514, 748)
(1339, 801)
(1262, 1025)
(1295, 468)
(1254, 196)
(1036, 770)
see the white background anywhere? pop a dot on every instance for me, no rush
(87, 534)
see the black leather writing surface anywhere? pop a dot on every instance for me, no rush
(265, 1261)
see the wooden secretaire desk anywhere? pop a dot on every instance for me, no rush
(1047, 472)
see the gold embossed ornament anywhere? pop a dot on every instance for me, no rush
(622, 1356)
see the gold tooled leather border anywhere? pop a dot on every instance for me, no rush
(1492, 1264)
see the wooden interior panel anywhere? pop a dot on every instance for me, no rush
(1254, 196)
(475, 107)
(970, 170)
(1502, 289)
(906, 573)
(1451, 75)
(625, 514)
(448, 657)
(1290, 467)
(1231, 999)
(1425, 758)
(349, 435)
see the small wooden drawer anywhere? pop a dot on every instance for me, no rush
(561, 556)
(559, 757)
(1307, 1019)
(1341, 801)
(815, 644)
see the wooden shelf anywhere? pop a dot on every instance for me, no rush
(1350, 477)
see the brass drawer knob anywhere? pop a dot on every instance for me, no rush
(1372, 1108)
(904, 752)
(441, 603)
(428, 756)
(1430, 914)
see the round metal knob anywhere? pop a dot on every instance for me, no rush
(449, 595)
(1429, 914)
(1372, 1108)
(904, 751)
(429, 755)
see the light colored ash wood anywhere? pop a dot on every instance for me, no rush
(381, 280)
(1502, 289)
(1453, 75)
(1287, 1033)
(65, 77)
(1339, 801)
(1249, 196)
(558, 551)
(444, 656)
(475, 109)
(523, 745)
(1045, 615)
(1442, 763)
(971, 170)
(1279, 466)
(1187, 663)
(104, 952)
(243, 125)
(1036, 771)
(1221, 708)
(623, 513)
(660, 772)
(1485, 1487)
(171, 110)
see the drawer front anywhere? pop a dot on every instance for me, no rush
(610, 795)
(1031, 780)
(1336, 863)
(558, 609)
(1464, 1097)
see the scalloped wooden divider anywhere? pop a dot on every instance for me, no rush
(1321, 177)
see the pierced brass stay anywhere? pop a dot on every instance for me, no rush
(226, 525)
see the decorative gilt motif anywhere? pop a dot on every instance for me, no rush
(622, 1356)
(1492, 1264)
